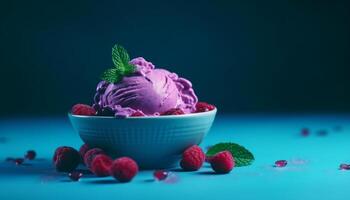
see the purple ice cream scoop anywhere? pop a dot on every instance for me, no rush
(149, 90)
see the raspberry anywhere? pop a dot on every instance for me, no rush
(101, 164)
(90, 155)
(66, 159)
(173, 111)
(31, 154)
(82, 151)
(204, 107)
(192, 158)
(137, 114)
(222, 162)
(124, 169)
(82, 109)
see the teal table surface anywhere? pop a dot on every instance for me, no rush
(312, 171)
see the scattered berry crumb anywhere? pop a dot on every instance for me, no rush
(305, 132)
(19, 161)
(281, 163)
(75, 176)
(160, 175)
(344, 166)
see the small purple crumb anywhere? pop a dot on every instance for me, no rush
(344, 166)
(281, 163)
(305, 132)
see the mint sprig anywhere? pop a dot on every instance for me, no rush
(242, 156)
(121, 59)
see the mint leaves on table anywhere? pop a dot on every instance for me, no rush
(121, 59)
(241, 155)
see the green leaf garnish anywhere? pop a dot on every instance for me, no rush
(242, 156)
(121, 59)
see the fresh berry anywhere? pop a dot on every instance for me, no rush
(82, 109)
(173, 111)
(281, 163)
(222, 162)
(160, 175)
(75, 176)
(124, 169)
(19, 161)
(83, 149)
(66, 159)
(204, 107)
(101, 164)
(31, 154)
(90, 155)
(192, 158)
(137, 114)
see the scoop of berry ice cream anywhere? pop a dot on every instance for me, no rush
(149, 90)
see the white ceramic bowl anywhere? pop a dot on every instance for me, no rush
(155, 142)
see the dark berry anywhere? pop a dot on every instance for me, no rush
(101, 165)
(82, 109)
(31, 154)
(124, 169)
(204, 107)
(90, 155)
(106, 111)
(66, 159)
(173, 111)
(83, 149)
(75, 176)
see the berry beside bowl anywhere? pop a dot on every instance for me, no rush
(154, 142)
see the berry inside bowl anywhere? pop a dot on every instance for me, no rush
(154, 142)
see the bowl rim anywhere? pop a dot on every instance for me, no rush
(147, 117)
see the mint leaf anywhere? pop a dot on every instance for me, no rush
(242, 156)
(111, 75)
(121, 59)
(120, 56)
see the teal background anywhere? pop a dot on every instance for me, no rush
(270, 138)
(242, 56)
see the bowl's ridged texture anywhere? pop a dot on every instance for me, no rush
(154, 142)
